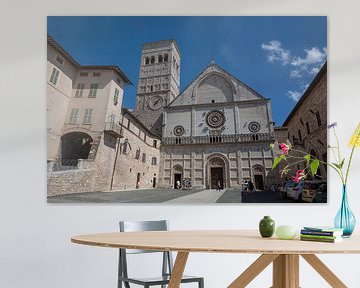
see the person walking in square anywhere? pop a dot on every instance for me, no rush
(218, 186)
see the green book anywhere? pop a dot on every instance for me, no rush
(324, 228)
(325, 240)
(319, 236)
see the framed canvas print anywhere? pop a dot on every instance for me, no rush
(184, 110)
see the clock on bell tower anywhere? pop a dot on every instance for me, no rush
(159, 81)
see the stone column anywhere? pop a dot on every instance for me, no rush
(193, 120)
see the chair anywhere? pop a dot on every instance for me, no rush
(167, 262)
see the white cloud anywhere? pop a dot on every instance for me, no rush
(315, 70)
(314, 56)
(276, 52)
(294, 95)
(295, 73)
(310, 64)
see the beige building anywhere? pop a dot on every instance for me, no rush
(137, 163)
(307, 123)
(84, 128)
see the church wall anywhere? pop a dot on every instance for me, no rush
(178, 117)
(254, 112)
(193, 160)
(245, 113)
(244, 93)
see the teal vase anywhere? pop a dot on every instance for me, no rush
(266, 226)
(345, 219)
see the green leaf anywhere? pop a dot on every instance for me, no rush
(271, 146)
(314, 166)
(277, 161)
(339, 166)
(342, 163)
(307, 157)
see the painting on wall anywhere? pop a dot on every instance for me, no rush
(185, 110)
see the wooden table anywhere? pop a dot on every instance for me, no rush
(284, 254)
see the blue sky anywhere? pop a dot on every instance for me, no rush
(276, 56)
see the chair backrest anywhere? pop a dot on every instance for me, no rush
(134, 226)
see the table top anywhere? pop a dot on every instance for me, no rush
(216, 241)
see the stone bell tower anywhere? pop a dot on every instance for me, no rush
(159, 82)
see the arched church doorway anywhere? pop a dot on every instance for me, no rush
(178, 176)
(75, 145)
(216, 172)
(259, 177)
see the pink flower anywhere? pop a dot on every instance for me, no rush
(284, 148)
(300, 175)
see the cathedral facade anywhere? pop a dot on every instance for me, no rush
(218, 131)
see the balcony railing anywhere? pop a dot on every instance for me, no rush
(113, 129)
(231, 138)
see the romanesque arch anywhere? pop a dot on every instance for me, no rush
(178, 175)
(217, 171)
(259, 177)
(75, 145)
(214, 88)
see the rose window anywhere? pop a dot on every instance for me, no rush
(254, 127)
(215, 119)
(179, 130)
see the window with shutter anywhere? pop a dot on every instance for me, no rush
(87, 116)
(73, 115)
(93, 90)
(79, 90)
(54, 76)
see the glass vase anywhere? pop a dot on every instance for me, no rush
(345, 219)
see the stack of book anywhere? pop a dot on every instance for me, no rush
(321, 234)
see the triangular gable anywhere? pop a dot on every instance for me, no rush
(239, 90)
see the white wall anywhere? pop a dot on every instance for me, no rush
(35, 248)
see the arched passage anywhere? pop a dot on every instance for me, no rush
(259, 177)
(217, 171)
(178, 176)
(75, 145)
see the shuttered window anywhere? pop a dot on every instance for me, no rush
(88, 116)
(93, 90)
(79, 90)
(73, 115)
(54, 76)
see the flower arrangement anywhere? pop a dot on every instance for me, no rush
(286, 152)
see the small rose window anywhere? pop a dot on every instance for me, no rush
(179, 130)
(254, 127)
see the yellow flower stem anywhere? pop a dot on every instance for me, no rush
(348, 167)
(351, 155)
